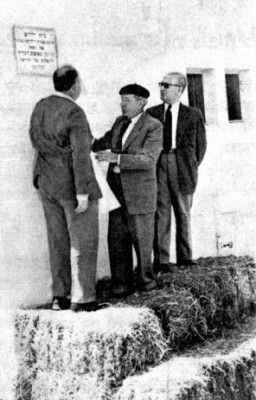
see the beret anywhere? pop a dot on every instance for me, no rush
(135, 89)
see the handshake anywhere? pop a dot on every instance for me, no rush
(106, 156)
(82, 203)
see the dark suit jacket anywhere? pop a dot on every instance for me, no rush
(190, 143)
(61, 135)
(137, 162)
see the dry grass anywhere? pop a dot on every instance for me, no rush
(198, 303)
(228, 377)
(103, 347)
(68, 356)
(180, 314)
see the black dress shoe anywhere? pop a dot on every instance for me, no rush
(164, 268)
(92, 306)
(187, 263)
(120, 292)
(60, 303)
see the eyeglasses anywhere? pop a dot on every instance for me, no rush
(167, 85)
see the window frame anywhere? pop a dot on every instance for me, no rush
(201, 107)
(237, 101)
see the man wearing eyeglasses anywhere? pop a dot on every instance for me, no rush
(184, 146)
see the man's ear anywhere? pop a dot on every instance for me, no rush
(182, 90)
(145, 102)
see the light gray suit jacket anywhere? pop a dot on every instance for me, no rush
(138, 161)
(61, 134)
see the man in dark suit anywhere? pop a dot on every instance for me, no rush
(69, 191)
(184, 146)
(135, 142)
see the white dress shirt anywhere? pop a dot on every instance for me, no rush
(175, 112)
(130, 127)
(61, 94)
(125, 136)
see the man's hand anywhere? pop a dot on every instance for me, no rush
(83, 201)
(106, 156)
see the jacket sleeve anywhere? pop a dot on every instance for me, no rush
(102, 143)
(147, 157)
(105, 142)
(80, 141)
(201, 143)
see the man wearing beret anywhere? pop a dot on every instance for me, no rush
(184, 146)
(133, 146)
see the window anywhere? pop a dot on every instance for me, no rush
(196, 92)
(233, 97)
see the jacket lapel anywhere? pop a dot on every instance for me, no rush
(159, 113)
(116, 133)
(134, 132)
(182, 116)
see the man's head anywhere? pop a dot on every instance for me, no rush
(66, 80)
(133, 99)
(172, 86)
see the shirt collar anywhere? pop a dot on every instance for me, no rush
(175, 106)
(60, 94)
(135, 119)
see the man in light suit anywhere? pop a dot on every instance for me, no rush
(64, 175)
(135, 142)
(184, 146)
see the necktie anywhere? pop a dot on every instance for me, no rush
(125, 124)
(168, 130)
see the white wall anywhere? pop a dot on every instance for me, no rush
(113, 43)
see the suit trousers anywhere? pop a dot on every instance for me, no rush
(125, 231)
(169, 195)
(73, 247)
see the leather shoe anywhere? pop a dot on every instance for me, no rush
(164, 268)
(188, 263)
(60, 303)
(92, 306)
(121, 291)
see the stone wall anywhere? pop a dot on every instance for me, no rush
(112, 43)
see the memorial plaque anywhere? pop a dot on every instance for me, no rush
(35, 50)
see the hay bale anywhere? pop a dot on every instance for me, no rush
(239, 273)
(243, 270)
(224, 287)
(68, 356)
(67, 386)
(179, 312)
(217, 294)
(197, 303)
(222, 377)
(105, 346)
(165, 381)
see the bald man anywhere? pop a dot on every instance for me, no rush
(69, 191)
(184, 146)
